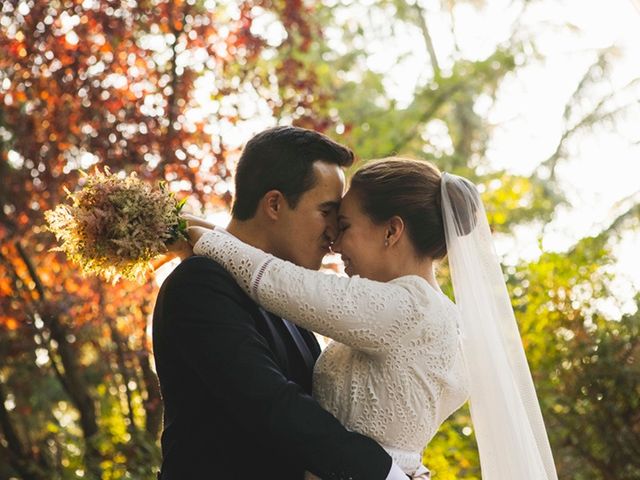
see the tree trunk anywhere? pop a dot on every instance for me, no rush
(153, 402)
(74, 383)
(21, 459)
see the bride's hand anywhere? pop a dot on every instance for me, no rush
(194, 234)
(195, 221)
(181, 247)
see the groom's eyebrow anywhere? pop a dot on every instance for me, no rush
(330, 204)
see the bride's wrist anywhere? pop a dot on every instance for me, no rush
(195, 233)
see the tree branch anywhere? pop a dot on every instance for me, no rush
(74, 383)
(596, 115)
(22, 461)
(124, 371)
(31, 313)
(428, 40)
(172, 107)
(442, 97)
(153, 402)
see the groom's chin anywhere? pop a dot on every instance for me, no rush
(310, 258)
(315, 263)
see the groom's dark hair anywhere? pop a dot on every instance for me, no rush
(282, 158)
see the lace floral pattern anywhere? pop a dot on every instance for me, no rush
(395, 370)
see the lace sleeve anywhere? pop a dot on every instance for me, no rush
(364, 314)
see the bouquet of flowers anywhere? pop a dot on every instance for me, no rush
(115, 226)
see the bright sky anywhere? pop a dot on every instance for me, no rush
(605, 166)
(605, 162)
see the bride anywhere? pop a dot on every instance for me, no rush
(404, 356)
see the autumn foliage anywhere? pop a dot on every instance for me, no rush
(110, 83)
(162, 87)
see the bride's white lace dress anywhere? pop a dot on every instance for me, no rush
(394, 371)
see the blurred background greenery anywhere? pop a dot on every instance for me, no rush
(537, 101)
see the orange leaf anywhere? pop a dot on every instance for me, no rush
(11, 323)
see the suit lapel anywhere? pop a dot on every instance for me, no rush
(300, 343)
(312, 342)
(280, 347)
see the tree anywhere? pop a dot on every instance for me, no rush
(120, 85)
(593, 433)
(114, 84)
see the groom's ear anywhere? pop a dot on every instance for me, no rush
(395, 227)
(272, 204)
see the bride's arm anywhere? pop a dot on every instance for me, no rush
(358, 312)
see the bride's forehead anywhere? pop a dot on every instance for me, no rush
(349, 202)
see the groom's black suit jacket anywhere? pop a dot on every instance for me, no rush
(236, 390)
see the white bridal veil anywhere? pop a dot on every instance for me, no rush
(509, 428)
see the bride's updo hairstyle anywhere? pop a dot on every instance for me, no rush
(410, 189)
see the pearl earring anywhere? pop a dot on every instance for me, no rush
(386, 243)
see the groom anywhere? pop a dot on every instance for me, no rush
(236, 379)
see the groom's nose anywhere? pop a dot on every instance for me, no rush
(336, 246)
(329, 236)
(331, 229)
